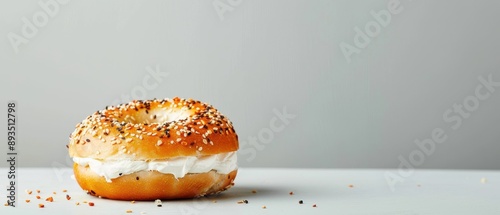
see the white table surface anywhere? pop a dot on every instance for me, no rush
(424, 192)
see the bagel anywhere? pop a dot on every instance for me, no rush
(154, 149)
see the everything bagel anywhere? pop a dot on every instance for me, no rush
(155, 149)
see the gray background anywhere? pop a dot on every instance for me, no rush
(265, 56)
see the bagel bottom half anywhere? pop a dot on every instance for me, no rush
(151, 185)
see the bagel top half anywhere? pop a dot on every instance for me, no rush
(153, 130)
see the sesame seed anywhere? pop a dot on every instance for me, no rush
(158, 203)
(159, 143)
(243, 201)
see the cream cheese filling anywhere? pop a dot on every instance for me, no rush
(223, 163)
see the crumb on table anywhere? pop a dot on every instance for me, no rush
(484, 180)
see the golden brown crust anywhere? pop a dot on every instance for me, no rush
(140, 130)
(151, 185)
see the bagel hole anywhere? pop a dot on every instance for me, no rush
(158, 116)
(171, 116)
